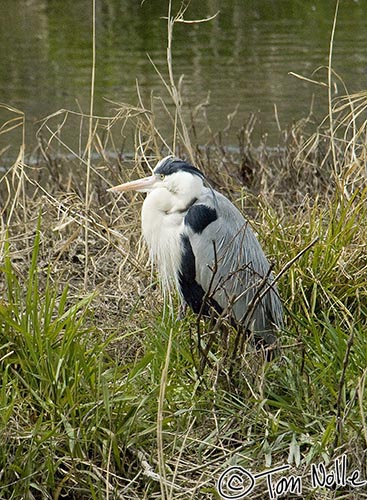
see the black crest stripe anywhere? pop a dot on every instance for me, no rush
(172, 165)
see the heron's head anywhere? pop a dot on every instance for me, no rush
(171, 174)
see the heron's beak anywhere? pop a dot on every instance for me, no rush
(143, 185)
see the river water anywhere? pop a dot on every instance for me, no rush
(242, 58)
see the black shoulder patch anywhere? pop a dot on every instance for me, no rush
(199, 217)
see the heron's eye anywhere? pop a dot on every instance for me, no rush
(162, 176)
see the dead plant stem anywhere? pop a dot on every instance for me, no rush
(331, 119)
(90, 141)
(160, 418)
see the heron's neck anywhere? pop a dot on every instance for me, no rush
(162, 221)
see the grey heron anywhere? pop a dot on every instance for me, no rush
(202, 243)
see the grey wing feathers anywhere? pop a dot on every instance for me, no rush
(231, 263)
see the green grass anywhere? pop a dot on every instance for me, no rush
(77, 420)
(66, 406)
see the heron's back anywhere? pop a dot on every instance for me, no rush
(232, 268)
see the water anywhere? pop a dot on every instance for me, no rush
(242, 58)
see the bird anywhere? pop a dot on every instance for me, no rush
(204, 246)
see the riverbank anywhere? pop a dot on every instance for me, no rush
(102, 392)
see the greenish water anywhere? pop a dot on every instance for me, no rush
(243, 57)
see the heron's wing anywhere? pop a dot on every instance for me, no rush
(230, 265)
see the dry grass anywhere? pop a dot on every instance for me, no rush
(291, 196)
